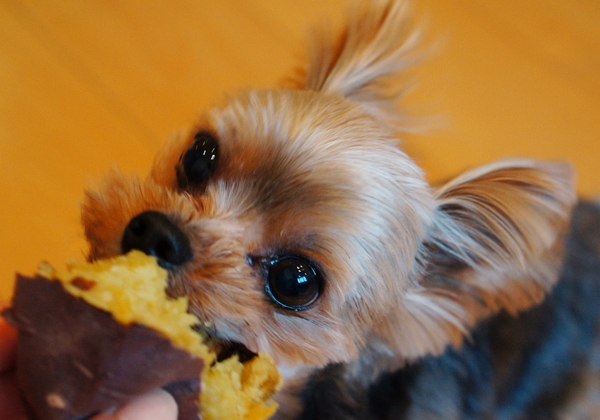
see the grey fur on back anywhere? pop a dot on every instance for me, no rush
(529, 367)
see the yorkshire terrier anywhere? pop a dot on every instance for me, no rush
(297, 226)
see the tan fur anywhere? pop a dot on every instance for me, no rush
(317, 171)
(362, 62)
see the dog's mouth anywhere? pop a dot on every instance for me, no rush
(224, 348)
(227, 349)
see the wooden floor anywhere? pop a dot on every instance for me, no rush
(88, 85)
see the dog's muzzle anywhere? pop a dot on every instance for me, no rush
(154, 234)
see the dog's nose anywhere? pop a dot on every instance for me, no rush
(154, 234)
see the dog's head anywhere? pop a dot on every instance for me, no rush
(296, 225)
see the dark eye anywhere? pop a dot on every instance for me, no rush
(293, 282)
(199, 161)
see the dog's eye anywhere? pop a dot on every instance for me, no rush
(293, 282)
(199, 161)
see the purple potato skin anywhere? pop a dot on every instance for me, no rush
(75, 360)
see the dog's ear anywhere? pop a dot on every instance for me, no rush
(495, 244)
(360, 63)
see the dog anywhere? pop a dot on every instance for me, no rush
(296, 225)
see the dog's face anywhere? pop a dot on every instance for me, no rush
(291, 202)
(296, 226)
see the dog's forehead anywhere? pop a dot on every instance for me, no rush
(298, 146)
(294, 122)
(289, 135)
(311, 162)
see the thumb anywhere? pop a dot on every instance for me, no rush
(157, 405)
(8, 342)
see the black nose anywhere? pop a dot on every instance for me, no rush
(154, 234)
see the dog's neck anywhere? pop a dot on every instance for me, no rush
(375, 359)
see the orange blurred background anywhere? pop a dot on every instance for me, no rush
(86, 86)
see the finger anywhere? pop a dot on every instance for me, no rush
(157, 405)
(8, 342)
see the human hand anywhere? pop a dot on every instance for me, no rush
(157, 405)
(12, 408)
